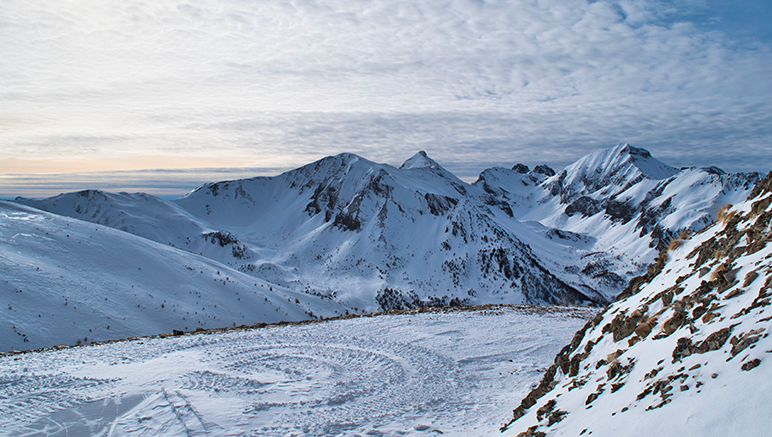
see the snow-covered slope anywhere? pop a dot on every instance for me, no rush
(369, 235)
(410, 374)
(146, 216)
(684, 352)
(64, 281)
(623, 201)
(608, 173)
(374, 236)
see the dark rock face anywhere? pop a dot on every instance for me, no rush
(714, 170)
(623, 326)
(521, 168)
(439, 205)
(567, 235)
(714, 342)
(636, 152)
(620, 211)
(324, 197)
(544, 169)
(584, 206)
(347, 222)
(225, 238)
(752, 364)
(390, 299)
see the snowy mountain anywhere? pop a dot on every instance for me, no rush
(66, 281)
(372, 236)
(683, 352)
(624, 202)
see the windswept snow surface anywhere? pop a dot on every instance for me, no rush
(454, 372)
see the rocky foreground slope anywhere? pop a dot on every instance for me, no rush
(372, 236)
(684, 351)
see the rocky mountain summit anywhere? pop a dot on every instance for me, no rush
(372, 236)
(683, 351)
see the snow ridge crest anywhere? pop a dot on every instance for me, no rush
(619, 163)
(420, 160)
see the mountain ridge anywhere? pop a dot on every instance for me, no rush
(350, 228)
(67, 281)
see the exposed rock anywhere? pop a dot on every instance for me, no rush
(439, 205)
(680, 303)
(544, 169)
(557, 416)
(546, 409)
(584, 205)
(531, 432)
(645, 326)
(752, 364)
(714, 341)
(673, 323)
(749, 278)
(741, 342)
(521, 168)
(620, 211)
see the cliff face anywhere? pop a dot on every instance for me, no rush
(683, 351)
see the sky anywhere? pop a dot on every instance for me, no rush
(163, 95)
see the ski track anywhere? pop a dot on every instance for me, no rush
(413, 374)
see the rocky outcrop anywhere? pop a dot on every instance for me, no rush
(698, 312)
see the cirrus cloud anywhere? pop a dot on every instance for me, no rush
(477, 83)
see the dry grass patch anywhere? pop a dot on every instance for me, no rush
(724, 213)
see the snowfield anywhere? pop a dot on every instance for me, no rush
(66, 281)
(419, 373)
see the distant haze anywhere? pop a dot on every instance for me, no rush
(160, 96)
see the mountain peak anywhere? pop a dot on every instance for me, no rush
(626, 149)
(521, 168)
(544, 169)
(612, 170)
(620, 160)
(630, 150)
(647, 164)
(419, 160)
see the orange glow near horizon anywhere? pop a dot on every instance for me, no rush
(15, 165)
